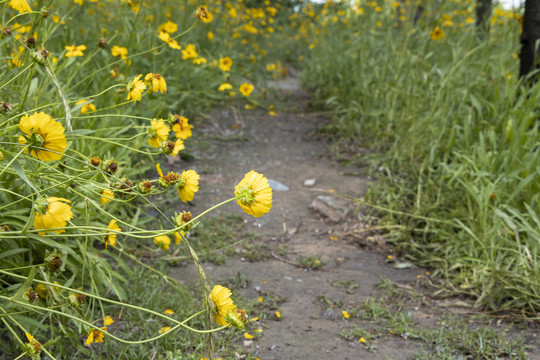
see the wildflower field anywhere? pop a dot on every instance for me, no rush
(99, 108)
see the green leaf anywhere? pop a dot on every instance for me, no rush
(26, 284)
(51, 243)
(12, 252)
(20, 171)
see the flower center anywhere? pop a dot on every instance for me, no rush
(245, 195)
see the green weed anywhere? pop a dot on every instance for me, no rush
(452, 139)
(311, 262)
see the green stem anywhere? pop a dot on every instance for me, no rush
(29, 82)
(132, 257)
(75, 318)
(16, 76)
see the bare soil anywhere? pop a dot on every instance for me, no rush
(287, 149)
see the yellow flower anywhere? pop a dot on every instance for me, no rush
(168, 312)
(95, 336)
(164, 329)
(20, 5)
(345, 314)
(75, 50)
(246, 89)
(270, 67)
(156, 82)
(188, 185)
(86, 107)
(278, 314)
(108, 320)
(169, 27)
(173, 44)
(80, 2)
(248, 336)
(173, 148)
(162, 241)
(111, 237)
(35, 347)
(158, 133)
(106, 197)
(52, 213)
(253, 194)
(437, 34)
(221, 297)
(181, 127)
(189, 52)
(178, 237)
(225, 63)
(119, 51)
(203, 14)
(41, 289)
(199, 61)
(362, 340)
(210, 36)
(45, 134)
(224, 86)
(136, 88)
(209, 17)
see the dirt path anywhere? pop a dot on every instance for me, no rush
(285, 148)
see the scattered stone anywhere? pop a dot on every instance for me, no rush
(330, 207)
(325, 211)
(309, 182)
(403, 265)
(330, 313)
(277, 186)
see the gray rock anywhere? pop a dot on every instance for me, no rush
(277, 186)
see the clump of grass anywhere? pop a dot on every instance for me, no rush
(453, 136)
(311, 262)
(349, 285)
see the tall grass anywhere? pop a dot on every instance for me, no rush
(456, 133)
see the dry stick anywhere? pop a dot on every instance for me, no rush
(285, 261)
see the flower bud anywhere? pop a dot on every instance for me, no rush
(182, 219)
(76, 300)
(110, 166)
(144, 187)
(95, 161)
(6, 32)
(102, 43)
(5, 107)
(236, 318)
(31, 295)
(31, 42)
(53, 262)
